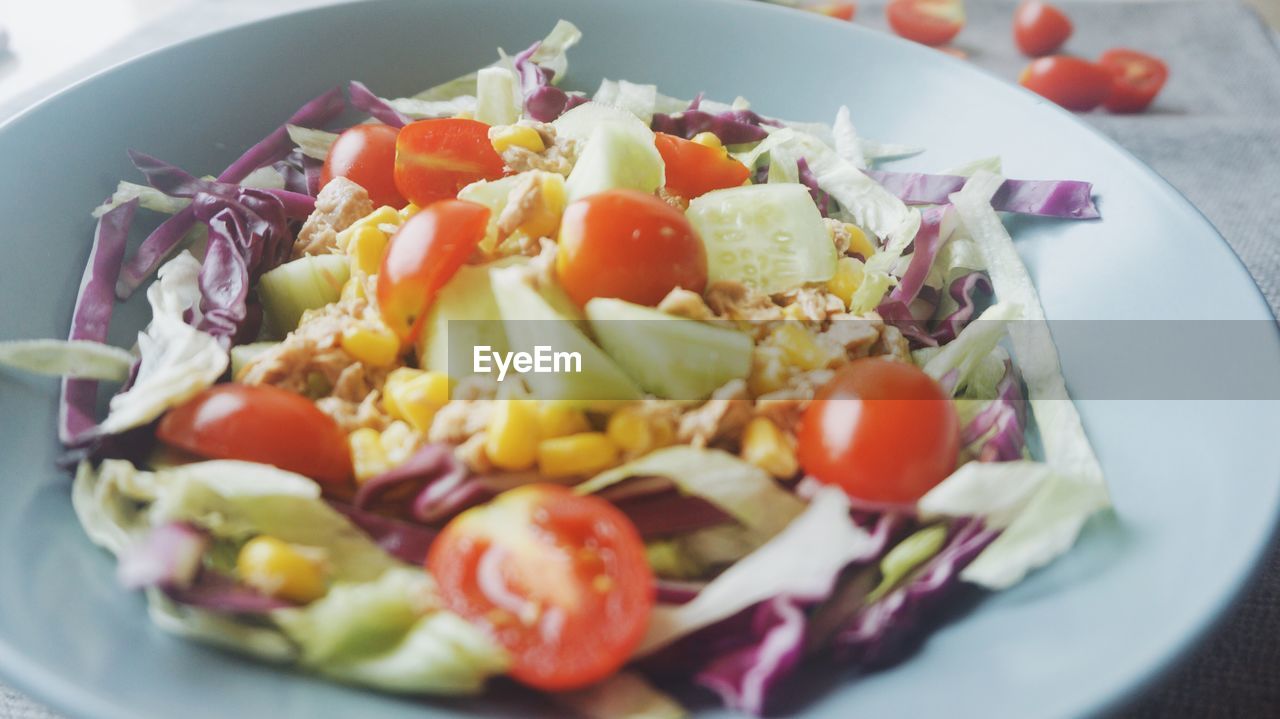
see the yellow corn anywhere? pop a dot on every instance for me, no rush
(415, 396)
(848, 277)
(408, 211)
(511, 441)
(709, 139)
(368, 456)
(385, 215)
(399, 441)
(544, 218)
(765, 446)
(365, 248)
(584, 453)
(516, 136)
(373, 343)
(859, 243)
(799, 347)
(769, 373)
(556, 419)
(636, 434)
(281, 570)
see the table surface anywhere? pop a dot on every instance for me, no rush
(1222, 102)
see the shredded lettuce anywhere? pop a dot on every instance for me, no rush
(742, 490)
(639, 100)
(552, 53)
(81, 359)
(148, 197)
(313, 143)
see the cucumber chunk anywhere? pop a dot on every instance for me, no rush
(619, 154)
(671, 357)
(770, 237)
(466, 302)
(303, 284)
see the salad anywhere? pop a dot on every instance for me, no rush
(792, 422)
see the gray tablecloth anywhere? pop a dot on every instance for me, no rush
(1215, 134)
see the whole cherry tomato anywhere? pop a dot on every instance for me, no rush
(436, 158)
(1073, 83)
(629, 245)
(366, 155)
(1136, 79)
(882, 430)
(1040, 28)
(260, 423)
(929, 22)
(560, 580)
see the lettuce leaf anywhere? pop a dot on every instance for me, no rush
(313, 143)
(82, 359)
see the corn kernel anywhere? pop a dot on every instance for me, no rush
(710, 139)
(631, 431)
(365, 248)
(408, 211)
(557, 419)
(844, 283)
(511, 441)
(368, 457)
(769, 373)
(415, 396)
(282, 570)
(765, 446)
(799, 347)
(859, 243)
(399, 441)
(577, 454)
(516, 136)
(544, 217)
(383, 215)
(371, 343)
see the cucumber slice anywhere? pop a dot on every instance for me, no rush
(496, 96)
(532, 322)
(242, 355)
(581, 121)
(770, 237)
(304, 284)
(467, 302)
(619, 153)
(671, 357)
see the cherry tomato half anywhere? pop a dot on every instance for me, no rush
(436, 158)
(837, 10)
(629, 245)
(560, 580)
(1040, 28)
(929, 22)
(1136, 79)
(422, 256)
(694, 169)
(260, 423)
(1073, 83)
(366, 155)
(882, 430)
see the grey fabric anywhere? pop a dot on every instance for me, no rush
(1215, 135)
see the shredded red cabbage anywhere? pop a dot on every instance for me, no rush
(965, 291)
(432, 485)
(1004, 418)
(403, 540)
(92, 317)
(807, 178)
(927, 242)
(218, 592)
(169, 556)
(364, 100)
(733, 127)
(1068, 199)
(543, 101)
(161, 243)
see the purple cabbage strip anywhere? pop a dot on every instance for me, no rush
(1006, 415)
(439, 486)
(898, 314)
(927, 242)
(1066, 199)
(733, 127)
(91, 317)
(364, 100)
(161, 243)
(543, 101)
(218, 592)
(745, 678)
(169, 556)
(176, 182)
(761, 175)
(820, 198)
(964, 290)
(670, 512)
(888, 629)
(403, 540)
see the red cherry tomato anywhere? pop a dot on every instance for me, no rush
(929, 22)
(1040, 28)
(882, 430)
(838, 10)
(260, 423)
(560, 580)
(1136, 79)
(422, 255)
(436, 158)
(1073, 83)
(366, 155)
(695, 169)
(629, 245)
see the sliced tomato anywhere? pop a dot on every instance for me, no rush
(629, 245)
(436, 158)
(882, 430)
(837, 10)
(366, 155)
(260, 423)
(422, 256)
(694, 169)
(1136, 79)
(559, 579)
(929, 22)
(1073, 83)
(1040, 28)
